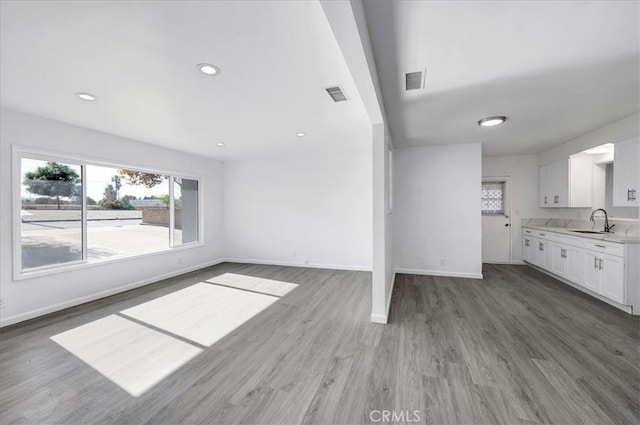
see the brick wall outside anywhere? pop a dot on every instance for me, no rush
(160, 217)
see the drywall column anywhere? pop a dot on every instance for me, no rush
(383, 264)
(349, 25)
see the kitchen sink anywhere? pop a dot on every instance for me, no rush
(588, 231)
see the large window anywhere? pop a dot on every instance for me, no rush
(125, 212)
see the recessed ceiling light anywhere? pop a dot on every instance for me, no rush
(300, 134)
(220, 144)
(208, 69)
(491, 121)
(86, 96)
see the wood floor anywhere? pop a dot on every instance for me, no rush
(516, 348)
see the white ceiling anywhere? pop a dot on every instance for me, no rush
(139, 59)
(557, 69)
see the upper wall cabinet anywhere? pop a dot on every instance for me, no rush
(626, 173)
(566, 183)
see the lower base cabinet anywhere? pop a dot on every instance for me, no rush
(592, 276)
(558, 259)
(596, 271)
(576, 260)
(612, 277)
(604, 274)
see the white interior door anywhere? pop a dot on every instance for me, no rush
(496, 220)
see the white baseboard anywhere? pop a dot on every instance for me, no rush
(379, 318)
(384, 319)
(6, 321)
(440, 273)
(293, 264)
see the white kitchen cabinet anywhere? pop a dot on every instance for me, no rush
(558, 254)
(540, 254)
(592, 275)
(604, 274)
(547, 247)
(612, 277)
(626, 173)
(602, 267)
(544, 188)
(576, 260)
(566, 183)
(526, 249)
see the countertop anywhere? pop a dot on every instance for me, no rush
(608, 237)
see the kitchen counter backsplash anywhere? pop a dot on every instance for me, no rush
(623, 227)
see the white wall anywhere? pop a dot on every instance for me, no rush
(313, 211)
(35, 296)
(437, 210)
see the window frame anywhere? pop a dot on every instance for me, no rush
(19, 152)
(504, 211)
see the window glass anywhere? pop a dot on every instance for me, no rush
(50, 213)
(185, 194)
(492, 198)
(127, 212)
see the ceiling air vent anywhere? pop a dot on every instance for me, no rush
(414, 80)
(336, 94)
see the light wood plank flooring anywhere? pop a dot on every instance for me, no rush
(516, 348)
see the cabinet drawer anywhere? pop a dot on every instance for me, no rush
(569, 240)
(607, 247)
(542, 234)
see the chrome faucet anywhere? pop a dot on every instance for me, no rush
(607, 228)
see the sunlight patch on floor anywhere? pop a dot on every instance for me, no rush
(130, 355)
(202, 313)
(252, 283)
(136, 357)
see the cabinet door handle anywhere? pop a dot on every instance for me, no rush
(540, 247)
(556, 199)
(595, 263)
(600, 261)
(545, 199)
(563, 253)
(527, 231)
(541, 234)
(600, 246)
(628, 194)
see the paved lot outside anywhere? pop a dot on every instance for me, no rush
(46, 243)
